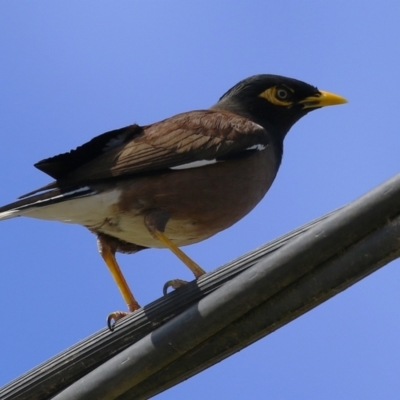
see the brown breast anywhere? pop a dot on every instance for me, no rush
(201, 201)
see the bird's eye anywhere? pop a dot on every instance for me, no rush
(278, 95)
(282, 94)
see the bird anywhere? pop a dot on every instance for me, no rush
(175, 182)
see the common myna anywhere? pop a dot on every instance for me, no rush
(174, 182)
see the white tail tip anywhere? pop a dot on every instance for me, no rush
(9, 214)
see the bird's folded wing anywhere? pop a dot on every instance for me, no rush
(58, 167)
(182, 139)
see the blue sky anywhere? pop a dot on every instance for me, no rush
(72, 70)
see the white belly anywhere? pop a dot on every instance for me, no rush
(99, 213)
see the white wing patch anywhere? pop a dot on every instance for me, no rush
(195, 164)
(257, 147)
(203, 163)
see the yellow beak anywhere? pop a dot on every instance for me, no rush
(322, 100)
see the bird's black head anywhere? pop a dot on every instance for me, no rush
(275, 102)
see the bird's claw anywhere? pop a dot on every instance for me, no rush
(114, 317)
(174, 284)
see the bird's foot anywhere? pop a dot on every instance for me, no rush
(114, 317)
(174, 284)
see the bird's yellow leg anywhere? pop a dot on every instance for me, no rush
(155, 221)
(108, 255)
(194, 267)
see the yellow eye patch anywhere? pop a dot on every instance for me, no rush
(278, 95)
